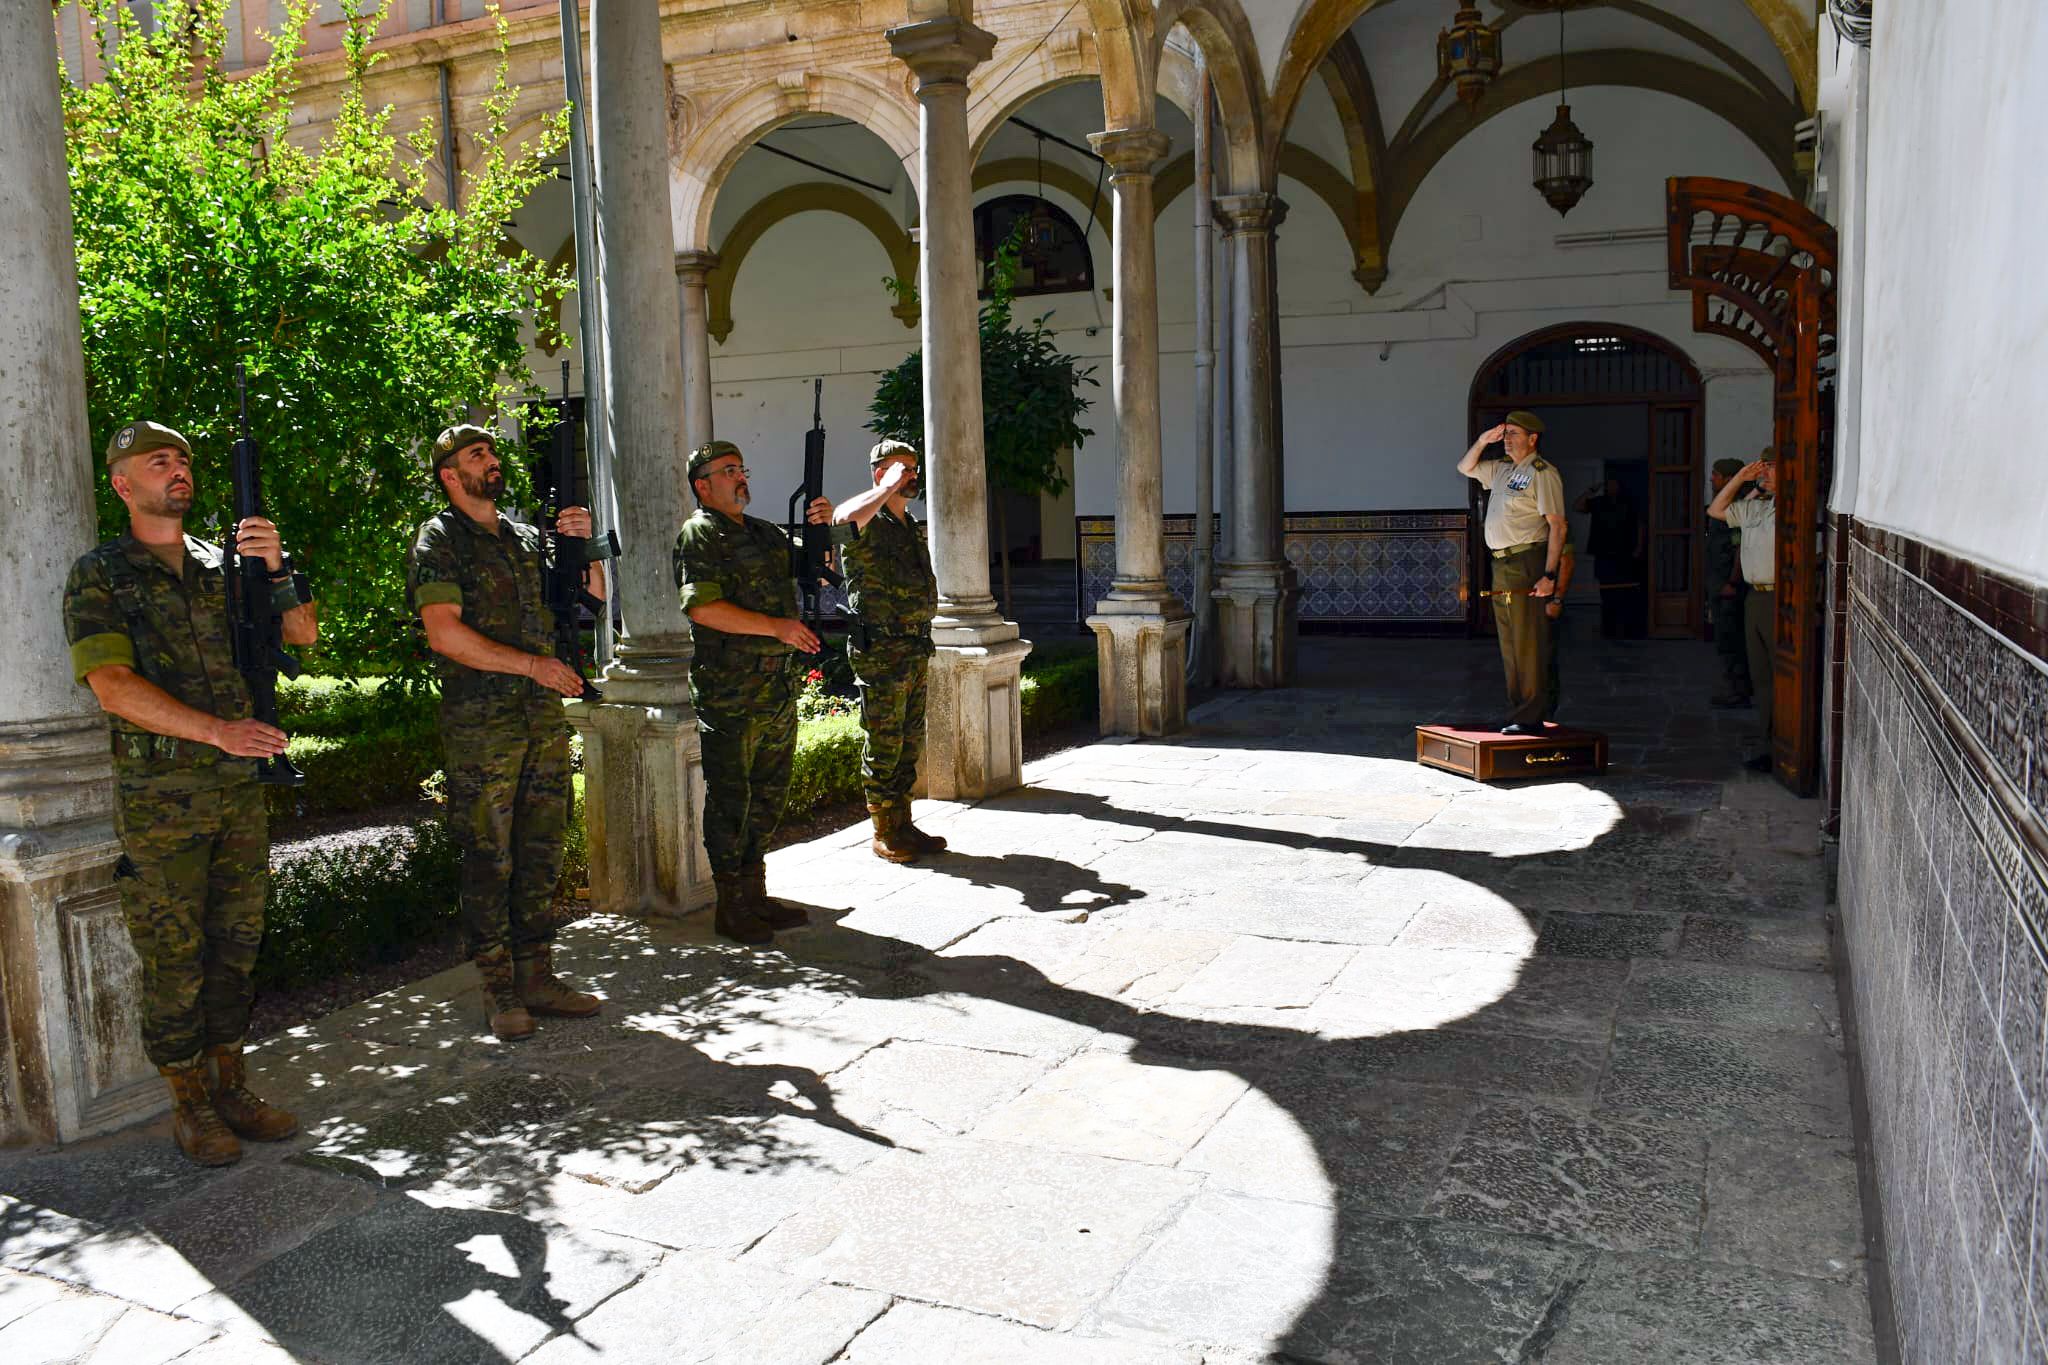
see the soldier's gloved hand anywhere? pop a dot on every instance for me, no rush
(248, 739)
(258, 537)
(556, 676)
(819, 512)
(795, 634)
(574, 522)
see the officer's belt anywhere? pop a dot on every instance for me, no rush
(1763, 587)
(738, 662)
(1513, 550)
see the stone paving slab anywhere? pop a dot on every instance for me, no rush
(1261, 1042)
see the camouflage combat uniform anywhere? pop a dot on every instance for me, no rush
(743, 686)
(890, 585)
(196, 867)
(504, 738)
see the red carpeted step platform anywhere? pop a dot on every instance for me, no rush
(1487, 755)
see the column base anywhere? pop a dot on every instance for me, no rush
(1142, 651)
(974, 717)
(1255, 624)
(69, 978)
(643, 786)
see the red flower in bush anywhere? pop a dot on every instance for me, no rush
(815, 676)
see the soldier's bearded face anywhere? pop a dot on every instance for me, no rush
(159, 483)
(485, 484)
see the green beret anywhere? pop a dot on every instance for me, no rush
(1527, 421)
(709, 451)
(458, 436)
(885, 450)
(137, 437)
(1728, 467)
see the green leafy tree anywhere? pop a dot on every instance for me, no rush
(211, 232)
(1031, 399)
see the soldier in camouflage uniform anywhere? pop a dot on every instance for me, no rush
(475, 582)
(894, 594)
(733, 571)
(146, 616)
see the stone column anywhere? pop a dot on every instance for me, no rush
(71, 1058)
(691, 269)
(974, 727)
(1255, 587)
(1141, 628)
(643, 783)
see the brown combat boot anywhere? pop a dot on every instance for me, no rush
(544, 993)
(925, 844)
(238, 1106)
(770, 910)
(508, 1018)
(891, 842)
(735, 919)
(199, 1133)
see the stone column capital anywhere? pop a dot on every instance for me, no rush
(1131, 151)
(940, 52)
(693, 266)
(1246, 213)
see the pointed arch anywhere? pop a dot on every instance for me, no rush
(714, 148)
(1230, 54)
(788, 202)
(1358, 112)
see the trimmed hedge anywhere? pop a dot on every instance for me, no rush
(1058, 693)
(826, 770)
(361, 744)
(341, 909)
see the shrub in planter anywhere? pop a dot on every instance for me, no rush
(341, 909)
(826, 770)
(1058, 694)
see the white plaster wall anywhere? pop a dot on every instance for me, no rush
(1954, 344)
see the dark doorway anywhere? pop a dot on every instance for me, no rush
(1616, 402)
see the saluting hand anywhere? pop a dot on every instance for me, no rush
(249, 738)
(1751, 471)
(1493, 434)
(573, 522)
(796, 634)
(556, 676)
(258, 537)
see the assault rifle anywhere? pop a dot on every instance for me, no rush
(563, 558)
(807, 559)
(255, 629)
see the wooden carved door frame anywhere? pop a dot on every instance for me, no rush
(1761, 270)
(1682, 392)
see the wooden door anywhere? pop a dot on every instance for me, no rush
(1796, 671)
(1674, 513)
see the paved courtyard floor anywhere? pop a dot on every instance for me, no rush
(1261, 1043)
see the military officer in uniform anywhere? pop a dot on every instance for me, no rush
(733, 572)
(475, 582)
(1757, 519)
(894, 595)
(146, 617)
(1525, 532)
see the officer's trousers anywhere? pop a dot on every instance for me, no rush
(746, 722)
(1760, 636)
(892, 674)
(508, 808)
(193, 881)
(1524, 634)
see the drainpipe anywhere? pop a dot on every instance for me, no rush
(440, 17)
(1205, 379)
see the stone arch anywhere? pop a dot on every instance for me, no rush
(1724, 96)
(1231, 55)
(715, 147)
(788, 202)
(1345, 75)
(1320, 23)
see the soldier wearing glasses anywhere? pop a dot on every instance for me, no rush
(733, 572)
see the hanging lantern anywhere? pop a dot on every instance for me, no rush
(1563, 154)
(1468, 54)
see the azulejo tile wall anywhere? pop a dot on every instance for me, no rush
(1945, 914)
(1382, 569)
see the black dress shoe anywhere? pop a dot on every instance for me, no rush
(1515, 727)
(1760, 764)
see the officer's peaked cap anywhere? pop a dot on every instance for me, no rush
(1527, 421)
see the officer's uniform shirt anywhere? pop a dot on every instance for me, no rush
(182, 647)
(1524, 496)
(1757, 519)
(744, 562)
